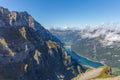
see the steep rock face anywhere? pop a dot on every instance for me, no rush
(30, 52)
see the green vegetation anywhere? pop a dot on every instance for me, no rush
(52, 45)
(5, 45)
(98, 73)
(23, 32)
(37, 55)
(74, 72)
(68, 43)
(116, 70)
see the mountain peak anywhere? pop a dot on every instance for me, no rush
(14, 18)
(30, 52)
(3, 10)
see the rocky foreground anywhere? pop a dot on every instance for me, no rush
(102, 73)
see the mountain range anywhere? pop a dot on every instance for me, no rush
(99, 44)
(28, 51)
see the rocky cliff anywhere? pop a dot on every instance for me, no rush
(30, 52)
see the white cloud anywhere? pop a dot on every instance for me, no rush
(110, 35)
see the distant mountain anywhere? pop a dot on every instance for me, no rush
(99, 44)
(67, 36)
(30, 52)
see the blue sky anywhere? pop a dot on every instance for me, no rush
(72, 13)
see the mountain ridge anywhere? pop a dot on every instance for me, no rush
(30, 52)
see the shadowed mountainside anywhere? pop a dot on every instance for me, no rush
(30, 52)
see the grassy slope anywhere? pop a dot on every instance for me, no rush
(116, 70)
(103, 72)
